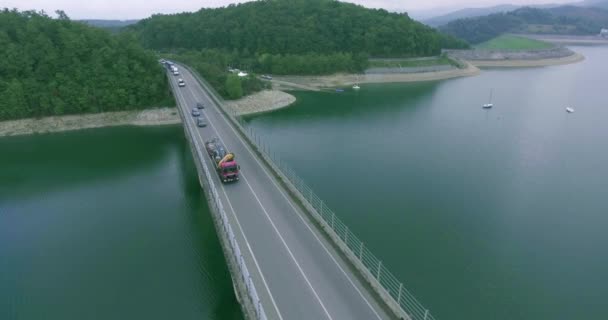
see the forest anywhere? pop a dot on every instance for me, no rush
(294, 27)
(304, 37)
(54, 66)
(567, 20)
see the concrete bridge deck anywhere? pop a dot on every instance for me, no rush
(297, 272)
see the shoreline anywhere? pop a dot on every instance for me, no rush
(261, 102)
(506, 63)
(146, 117)
(317, 83)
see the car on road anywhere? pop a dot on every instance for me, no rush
(201, 122)
(266, 77)
(181, 83)
(195, 112)
(199, 105)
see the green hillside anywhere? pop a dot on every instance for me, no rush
(56, 66)
(564, 20)
(294, 27)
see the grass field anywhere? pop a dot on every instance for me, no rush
(407, 63)
(511, 42)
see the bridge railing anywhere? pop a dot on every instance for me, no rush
(380, 278)
(225, 228)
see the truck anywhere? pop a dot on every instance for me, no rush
(224, 162)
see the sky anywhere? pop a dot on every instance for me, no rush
(137, 9)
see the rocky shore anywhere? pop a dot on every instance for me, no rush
(159, 116)
(340, 80)
(263, 101)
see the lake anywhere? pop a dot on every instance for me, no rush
(108, 224)
(483, 214)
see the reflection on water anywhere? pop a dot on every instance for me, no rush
(107, 224)
(496, 214)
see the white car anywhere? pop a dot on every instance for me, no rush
(181, 83)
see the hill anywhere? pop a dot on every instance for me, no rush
(294, 27)
(110, 25)
(56, 66)
(603, 4)
(479, 12)
(564, 20)
(468, 13)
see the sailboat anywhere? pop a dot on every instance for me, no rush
(489, 104)
(356, 86)
(570, 110)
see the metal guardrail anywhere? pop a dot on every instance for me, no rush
(386, 284)
(226, 227)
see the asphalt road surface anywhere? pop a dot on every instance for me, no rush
(296, 271)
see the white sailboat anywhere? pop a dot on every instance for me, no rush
(489, 104)
(569, 110)
(356, 86)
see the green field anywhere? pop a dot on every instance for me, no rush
(407, 63)
(511, 42)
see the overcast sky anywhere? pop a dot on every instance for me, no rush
(137, 9)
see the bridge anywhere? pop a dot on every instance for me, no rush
(289, 256)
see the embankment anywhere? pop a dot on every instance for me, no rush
(340, 80)
(517, 58)
(159, 116)
(263, 101)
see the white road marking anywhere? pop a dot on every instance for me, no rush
(255, 261)
(294, 208)
(271, 222)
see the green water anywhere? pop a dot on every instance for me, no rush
(107, 224)
(498, 214)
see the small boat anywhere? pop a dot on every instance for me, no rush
(356, 86)
(569, 110)
(489, 104)
(339, 90)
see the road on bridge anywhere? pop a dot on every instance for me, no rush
(298, 274)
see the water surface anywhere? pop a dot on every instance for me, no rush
(107, 224)
(498, 214)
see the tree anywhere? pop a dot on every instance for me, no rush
(295, 27)
(56, 66)
(233, 86)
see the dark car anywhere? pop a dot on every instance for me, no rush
(201, 122)
(199, 105)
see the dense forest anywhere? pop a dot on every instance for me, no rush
(307, 37)
(294, 27)
(57, 66)
(568, 20)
